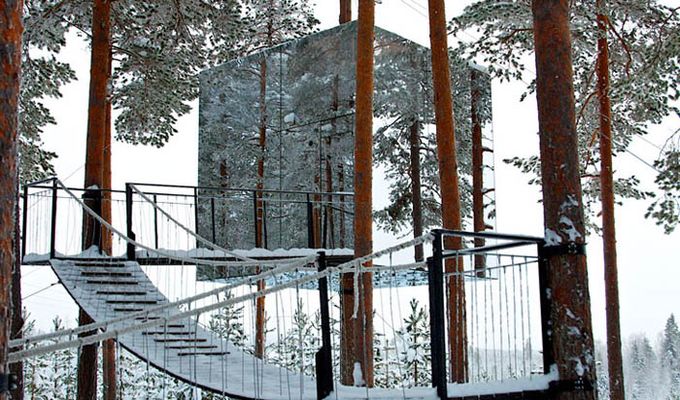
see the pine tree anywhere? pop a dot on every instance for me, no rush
(406, 134)
(43, 76)
(300, 343)
(670, 356)
(416, 356)
(644, 85)
(642, 369)
(602, 370)
(228, 322)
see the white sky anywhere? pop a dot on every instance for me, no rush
(648, 259)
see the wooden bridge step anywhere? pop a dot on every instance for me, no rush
(189, 347)
(127, 309)
(203, 353)
(186, 339)
(132, 301)
(108, 282)
(149, 333)
(105, 273)
(95, 264)
(122, 293)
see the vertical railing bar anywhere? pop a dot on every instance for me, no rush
(24, 223)
(257, 239)
(128, 222)
(155, 220)
(324, 357)
(212, 217)
(435, 275)
(196, 215)
(53, 223)
(310, 224)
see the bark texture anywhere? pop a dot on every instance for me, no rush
(448, 175)
(87, 364)
(108, 346)
(356, 341)
(562, 203)
(95, 169)
(345, 11)
(259, 212)
(11, 29)
(615, 359)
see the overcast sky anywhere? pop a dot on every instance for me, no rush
(648, 259)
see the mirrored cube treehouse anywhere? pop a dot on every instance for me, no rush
(286, 114)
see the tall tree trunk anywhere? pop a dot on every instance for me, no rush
(567, 275)
(448, 175)
(100, 73)
(477, 167)
(416, 195)
(356, 341)
(615, 362)
(109, 346)
(345, 11)
(259, 223)
(11, 29)
(87, 364)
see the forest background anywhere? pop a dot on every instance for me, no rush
(648, 259)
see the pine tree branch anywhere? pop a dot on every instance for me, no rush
(623, 44)
(509, 36)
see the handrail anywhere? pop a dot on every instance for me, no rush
(238, 189)
(489, 235)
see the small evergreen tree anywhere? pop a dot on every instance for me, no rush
(642, 370)
(228, 322)
(670, 357)
(416, 357)
(300, 343)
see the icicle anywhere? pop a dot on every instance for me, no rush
(357, 271)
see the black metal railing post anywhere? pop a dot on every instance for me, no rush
(435, 277)
(212, 217)
(324, 357)
(155, 221)
(257, 239)
(128, 222)
(545, 296)
(53, 222)
(310, 223)
(196, 215)
(24, 223)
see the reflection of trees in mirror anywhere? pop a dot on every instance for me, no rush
(309, 113)
(404, 106)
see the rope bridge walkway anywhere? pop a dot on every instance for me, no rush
(171, 335)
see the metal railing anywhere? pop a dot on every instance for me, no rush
(52, 223)
(489, 308)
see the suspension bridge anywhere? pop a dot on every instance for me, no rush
(497, 321)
